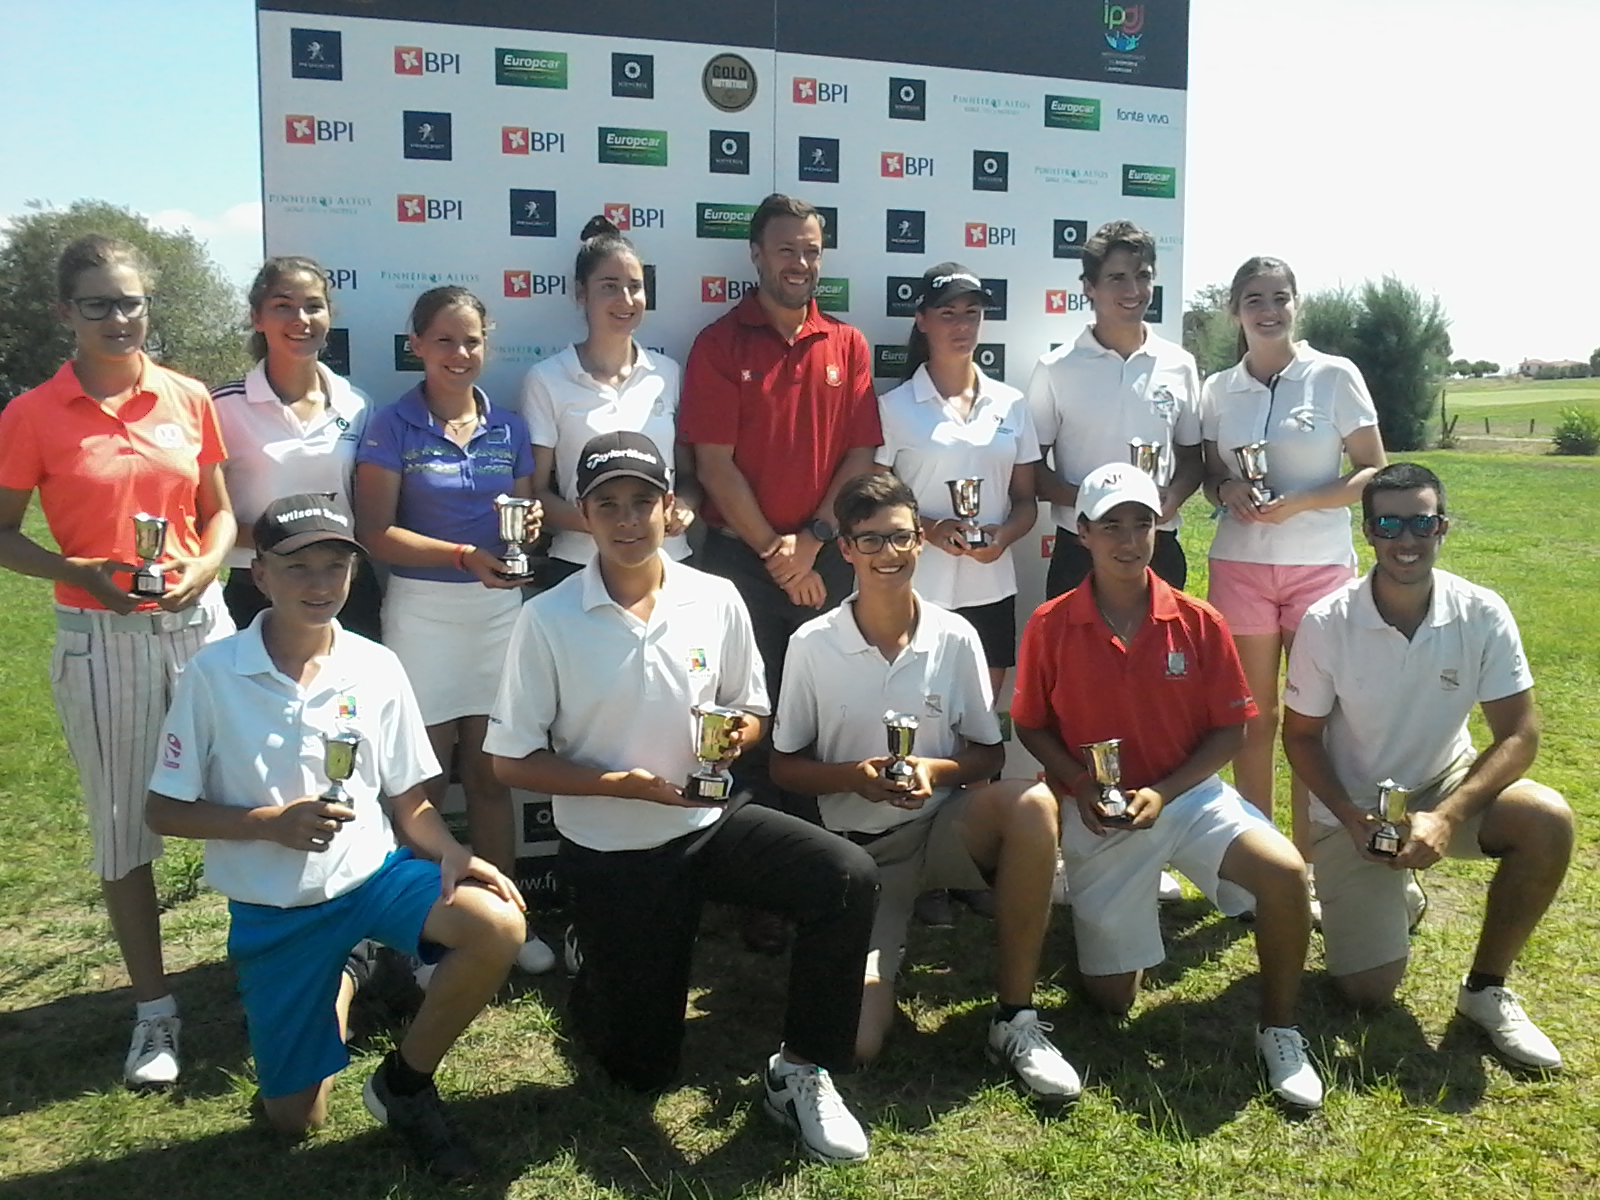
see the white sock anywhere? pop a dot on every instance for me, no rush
(167, 1006)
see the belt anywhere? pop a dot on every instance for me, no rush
(83, 620)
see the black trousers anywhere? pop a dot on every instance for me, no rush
(359, 615)
(1070, 563)
(637, 913)
(774, 619)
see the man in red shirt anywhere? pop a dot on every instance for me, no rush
(1123, 655)
(779, 407)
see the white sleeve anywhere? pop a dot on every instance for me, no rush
(973, 716)
(1353, 408)
(405, 756)
(1211, 407)
(187, 736)
(1309, 689)
(741, 678)
(1028, 449)
(1187, 430)
(1042, 406)
(796, 726)
(538, 410)
(1504, 670)
(884, 455)
(530, 693)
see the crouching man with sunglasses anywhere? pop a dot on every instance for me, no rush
(1382, 678)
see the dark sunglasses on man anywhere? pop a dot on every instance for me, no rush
(1426, 525)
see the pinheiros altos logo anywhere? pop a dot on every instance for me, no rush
(414, 209)
(418, 60)
(1067, 238)
(905, 231)
(1071, 112)
(633, 147)
(990, 106)
(991, 171)
(421, 281)
(1124, 26)
(833, 295)
(730, 152)
(729, 221)
(629, 216)
(533, 212)
(634, 76)
(316, 54)
(1139, 179)
(980, 235)
(1080, 176)
(520, 285)
(729, 82)
(530, 68)
(892, 164)
(426, 135)
(806, 90)
(519, 139)
(718, 289)
(908, 99)
(819, 160)
(302, 129)
(319, 203)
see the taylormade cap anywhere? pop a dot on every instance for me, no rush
(1106, 487)
(612, 455)
(945, 281)
(295, 522)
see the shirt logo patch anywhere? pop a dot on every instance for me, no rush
(347, 708)
(1177, 664)
(834, 375)
(934, 703)
(1449, 679)
(744, 375)
(172, 753)
(697, 660)
(1163, 401)
(168, 436)
(500, 435)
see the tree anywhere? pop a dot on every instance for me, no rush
(1208, 331)
(1461, 367)
(1484, 367)
(1594, 362)
(196, 322)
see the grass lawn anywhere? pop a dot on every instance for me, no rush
(1510, 405)
(1174, 1108)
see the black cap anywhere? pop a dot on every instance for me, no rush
(944, 281)
(295, 522)
(612, 455)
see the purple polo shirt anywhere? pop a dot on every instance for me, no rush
(447, 491)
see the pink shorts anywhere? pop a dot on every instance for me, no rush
(1257, 598)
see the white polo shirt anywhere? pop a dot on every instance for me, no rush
(271, 454)
(565, 406)
(243, 734)
(926, 443)
(1304, 415)
(589, 680)
(837, 687)
(1398, 709)
(1088, 403)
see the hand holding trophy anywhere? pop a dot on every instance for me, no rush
(517, 526)
(966, 497)
(712, 783)
(1389, 836)
(1105, 764)
(339, 752)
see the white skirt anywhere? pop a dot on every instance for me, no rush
(452, 640)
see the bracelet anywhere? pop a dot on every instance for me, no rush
(462, 551)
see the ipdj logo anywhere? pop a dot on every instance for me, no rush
(530, 68)
(991, 171)
(730, 152)
(426, 135)
(908, 99)
(1124, 26)
(633, 75)
(300, 129)
(341, 279)
(982, 236)
(905, 231)
(316, 54)
(729, 82)
(411, 208)
(819, 160)
(819, 91)
(415, 60)
(718, 289)
(627, 216)
(894, 165)
(1067, 238)
(519, 285)
(533, 212)
(519, 139)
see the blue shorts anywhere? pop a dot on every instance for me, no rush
(289, 961)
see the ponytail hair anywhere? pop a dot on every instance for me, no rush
(1261, 264)
(599, 240)
(267, 278)
(916, 352)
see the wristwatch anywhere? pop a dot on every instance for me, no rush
(822, 530)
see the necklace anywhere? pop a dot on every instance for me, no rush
(1124, 635)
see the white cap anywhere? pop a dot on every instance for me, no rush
(1116, 483)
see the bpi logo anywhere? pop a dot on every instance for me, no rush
(341, 279)
(894, 165)
(519, 139)
(316, 54)
(625, 216)
(981, 235)
(813, 91)
(1059, 301)
(519, 285)
(414, 60)
(718, 289)
(413, 209)
(300, 129)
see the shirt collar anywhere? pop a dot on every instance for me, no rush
(596, 596)
(1239, 378)
(749, 312)
(851, 640)
(1082, 610)
(1090, 344)
(414, 409)
(65, 381)
(1443, 606)
(572, 365)
(341, 396)
(923, 389)
(250, 655)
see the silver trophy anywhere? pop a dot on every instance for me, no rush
(711, 781)
(514, 514)
(1149, 457)
(149, 544)
(1252, 460)
(339, 752)
(901, 729)
(1387, 838)
(1105, 764)
(966, 498)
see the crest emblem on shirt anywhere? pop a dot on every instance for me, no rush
(1163, 401)
(697, 660)
(744, 374)
(347, 708)
(1177, 664)
(1449, 679)
(167, 435)
(834, 375)
(934, 703)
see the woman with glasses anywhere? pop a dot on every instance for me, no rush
(1283, 543)
(291, 426)
(606, 383)
(126, 457)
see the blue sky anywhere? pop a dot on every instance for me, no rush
(1449, 142)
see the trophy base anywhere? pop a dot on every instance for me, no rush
(976, 539)
(712, 787)
(1385, 841)
(900, 774)
(149, 582)
(516, 567)
(1261, 494)
(1113, 805)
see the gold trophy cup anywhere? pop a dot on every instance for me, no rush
(1105, 763)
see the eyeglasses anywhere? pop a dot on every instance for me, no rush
(98, 308)
(871, 543)
(1425, 526)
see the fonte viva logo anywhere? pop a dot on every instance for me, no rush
(1158, 182)
(530, 68)
(1124, 26)
(731, 221)
(1071, 112)
(633, 147)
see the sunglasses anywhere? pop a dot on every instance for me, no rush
(98, 308)
(871, 543)
(1425, 526)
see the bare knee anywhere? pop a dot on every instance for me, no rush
(495, 928)
(1374, 988)
(1035, 812)
(1113, 994)
(1544, 819)
(298, 1114)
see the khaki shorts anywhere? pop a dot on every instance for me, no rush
(928, 852)
(1364, 919)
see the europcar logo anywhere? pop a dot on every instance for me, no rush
(719, 289)
(833, 295)
(1124, 26)
(889, 362)
(414, 60)
(300, 129)
(1071, 112)
(632, 147)
(413, 209)
(730, 221)
(519, 139)
(530, 68)
(1160, 183)
(627, 216)
(316, 54)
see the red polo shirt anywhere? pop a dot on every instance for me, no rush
(1179, 680)
(96, 465)
(789, 410)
